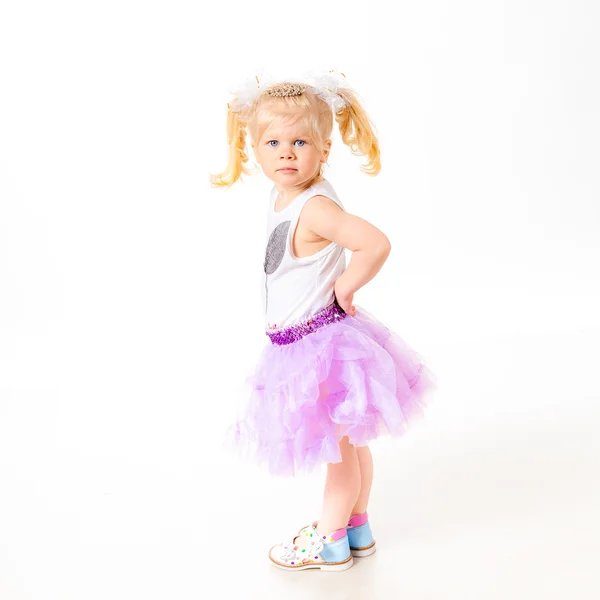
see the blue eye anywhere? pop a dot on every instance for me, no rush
(270, 143)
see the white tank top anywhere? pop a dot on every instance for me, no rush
(296, 288)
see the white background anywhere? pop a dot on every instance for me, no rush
(130, 296)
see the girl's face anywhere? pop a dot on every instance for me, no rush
(288, 156)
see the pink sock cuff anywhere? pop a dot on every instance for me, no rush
(339, 534)
(358, 520)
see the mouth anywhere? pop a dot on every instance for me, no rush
(287, 169)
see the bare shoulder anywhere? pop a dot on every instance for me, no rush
(321, 205)
(325, 218)
(319, 211)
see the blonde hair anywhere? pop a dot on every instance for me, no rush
(356, 130)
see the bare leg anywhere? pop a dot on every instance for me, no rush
(365, 461)
(342, 488)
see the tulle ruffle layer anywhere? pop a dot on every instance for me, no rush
(354, 378)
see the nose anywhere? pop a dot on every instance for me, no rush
(286, 153)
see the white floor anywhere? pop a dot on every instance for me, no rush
(489, 497)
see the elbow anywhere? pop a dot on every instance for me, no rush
(385, 247)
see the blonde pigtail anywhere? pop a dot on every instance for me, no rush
(357, 132)
(236, 139)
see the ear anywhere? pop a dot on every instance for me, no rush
(326, 150)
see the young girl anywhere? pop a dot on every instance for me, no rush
(331, 377)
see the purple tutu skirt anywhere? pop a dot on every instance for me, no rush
(330, 377)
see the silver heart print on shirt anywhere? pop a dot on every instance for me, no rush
(275, 252)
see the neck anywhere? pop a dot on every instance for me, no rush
(288, 193)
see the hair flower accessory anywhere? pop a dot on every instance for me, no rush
(328, 86)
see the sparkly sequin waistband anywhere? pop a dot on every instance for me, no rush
(289, 335)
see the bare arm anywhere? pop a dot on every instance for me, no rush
(370, 247)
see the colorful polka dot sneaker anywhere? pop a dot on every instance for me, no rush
(310, 550)
(360, 537)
